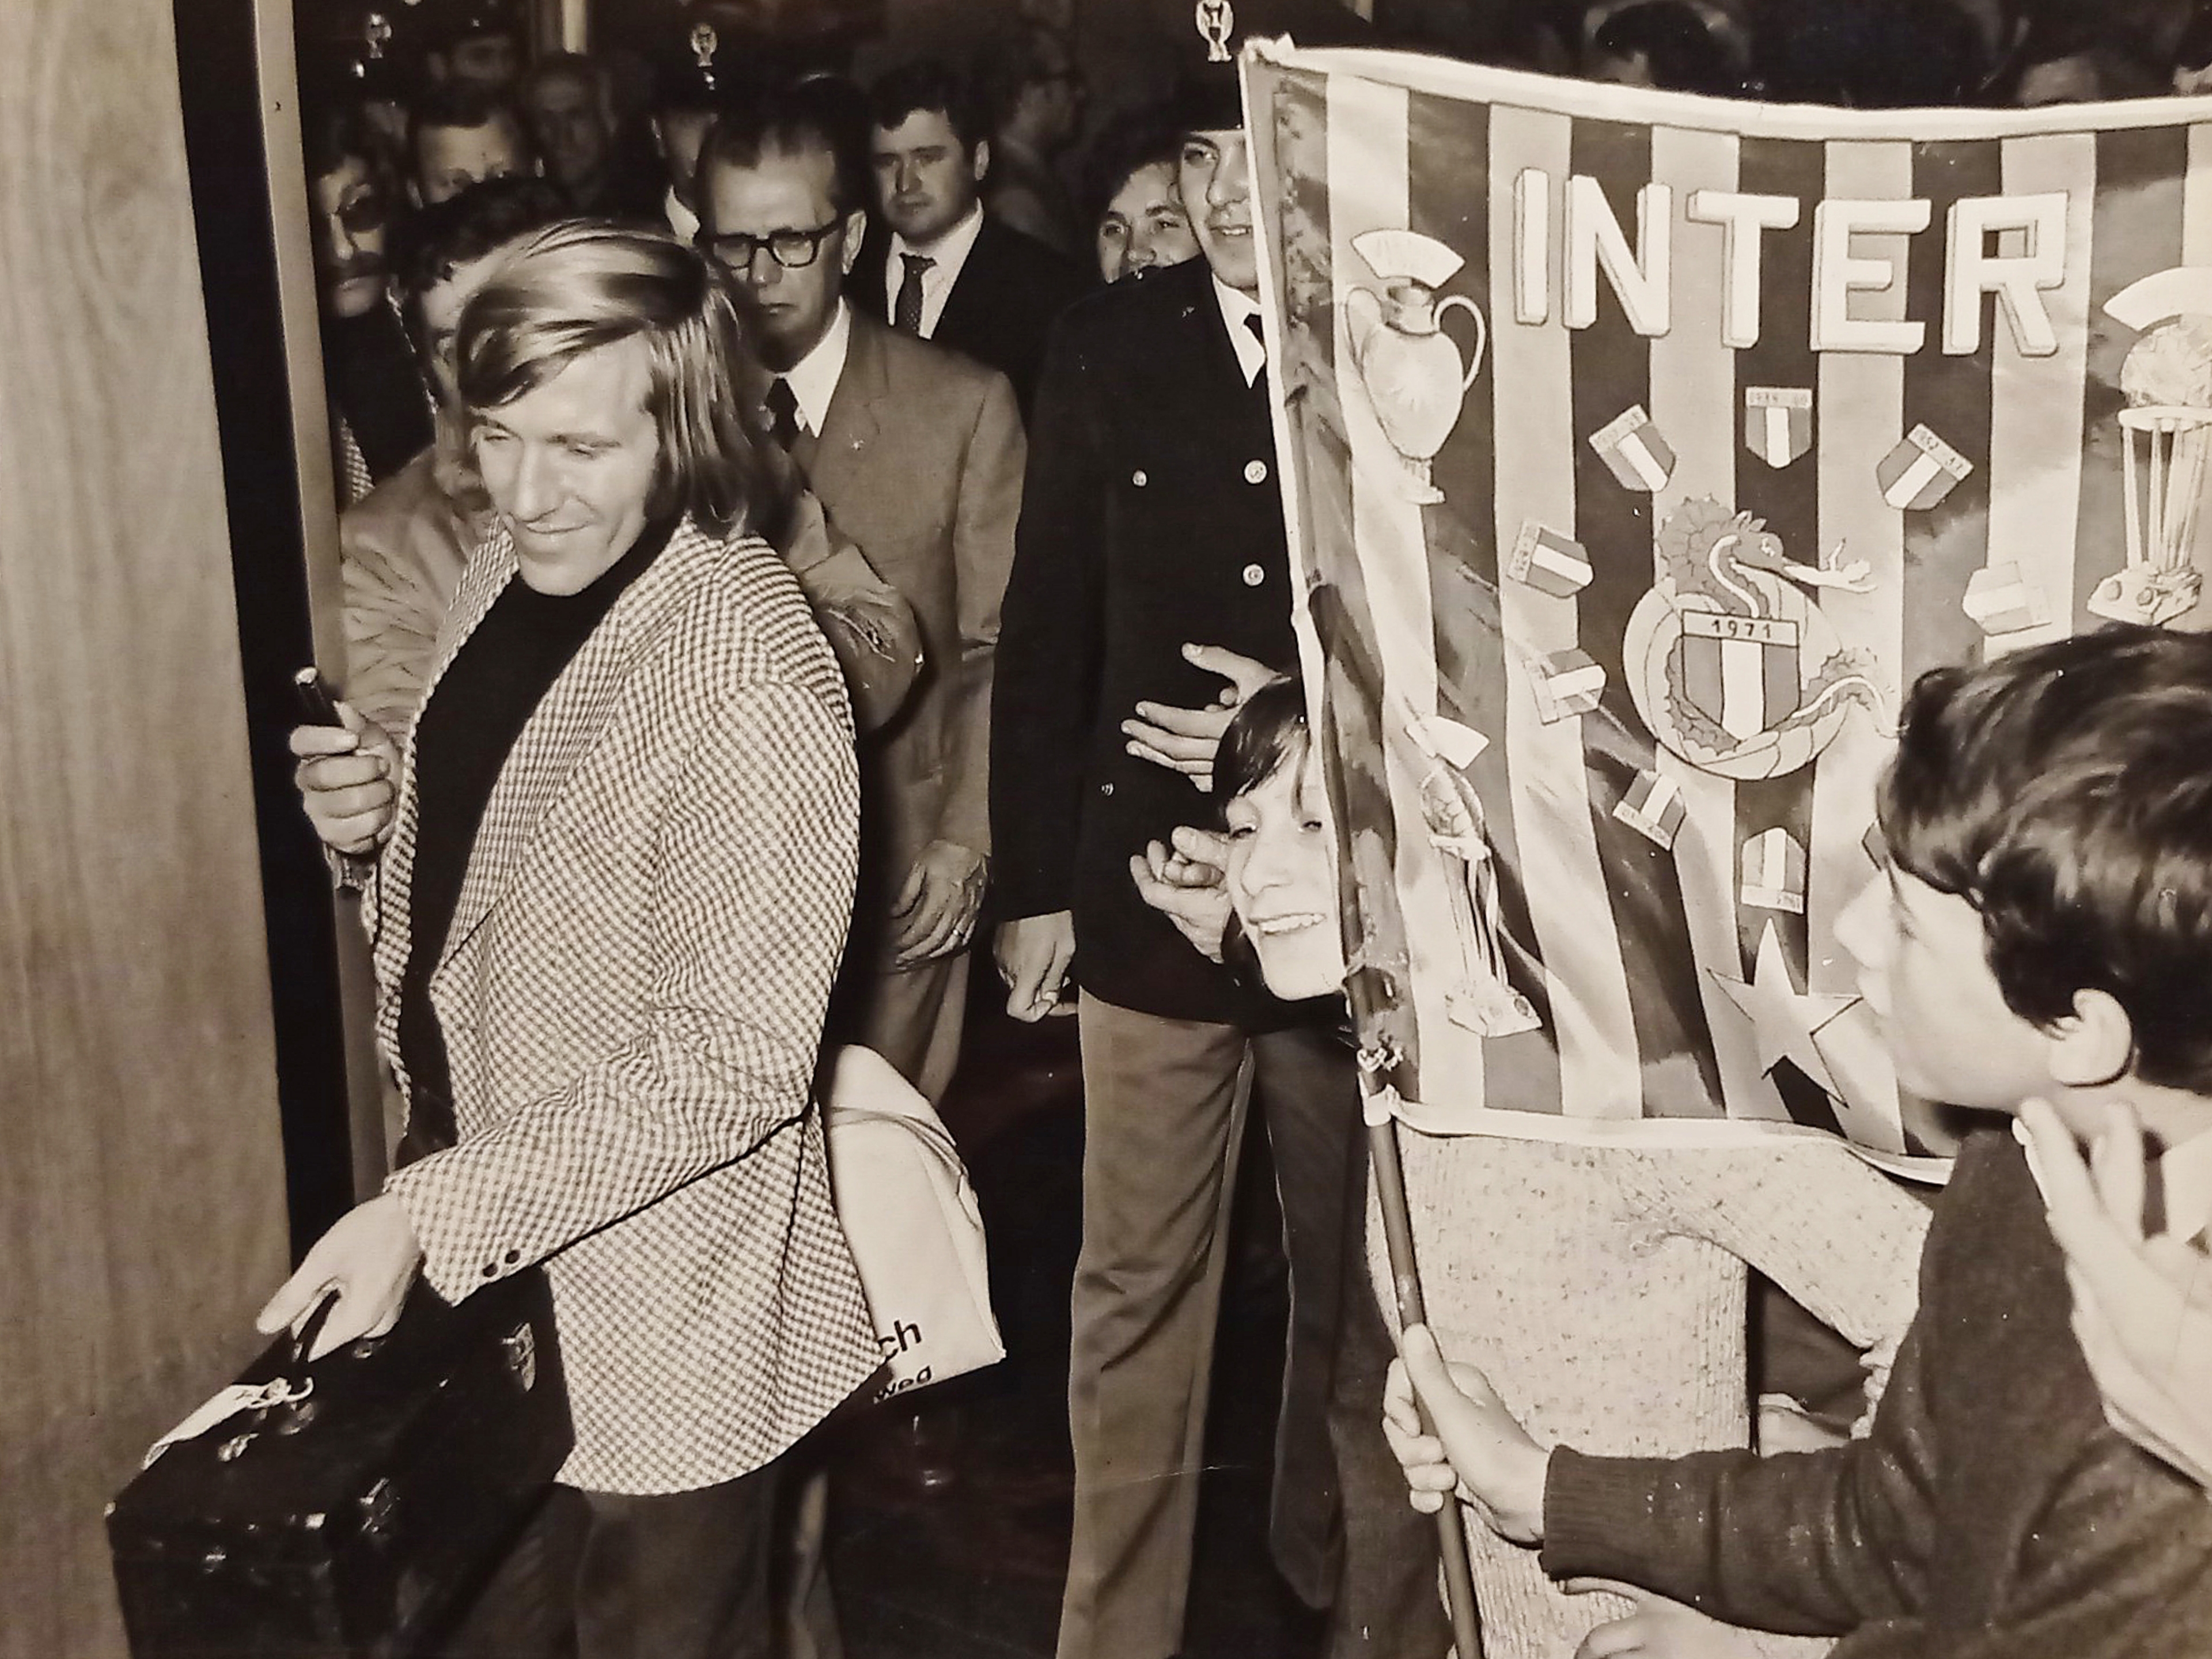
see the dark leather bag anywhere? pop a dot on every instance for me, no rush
(355, 1511)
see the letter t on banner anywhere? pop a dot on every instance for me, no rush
(1743, 219)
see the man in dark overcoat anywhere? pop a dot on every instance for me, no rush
(1151, 566)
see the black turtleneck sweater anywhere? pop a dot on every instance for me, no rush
(462, 739)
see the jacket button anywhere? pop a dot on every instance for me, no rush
(511, 1257)
(1105, 788)
(1138, 479)
(491, 1270)
(1256, 472)
(1253, 575)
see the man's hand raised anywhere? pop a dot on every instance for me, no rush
(1185, 739)
(1188, 884)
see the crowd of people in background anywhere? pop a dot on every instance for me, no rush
(395, 127)
(1042, 537)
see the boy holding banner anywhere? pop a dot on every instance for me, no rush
(2044, 929)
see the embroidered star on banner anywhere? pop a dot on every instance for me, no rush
(1786, 1020)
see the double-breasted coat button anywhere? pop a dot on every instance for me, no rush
(1256, 472)
(491, 1270)
(512, 1257)
(1105, 788)
(1138, 479)
(1253, 575)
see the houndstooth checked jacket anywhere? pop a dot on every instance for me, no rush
(631, 995)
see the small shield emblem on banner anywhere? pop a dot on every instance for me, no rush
(1549, 561)
(1774, 873)
(1920, 472)
(1634, 452)
(1565, 683)
(1778, 423)
(1654, 808)
(1741, 673)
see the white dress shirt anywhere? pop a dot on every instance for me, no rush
(682, 220)
(1236, 306)
(814, 378)
(950, 252)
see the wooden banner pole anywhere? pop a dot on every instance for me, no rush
(1406, 1280)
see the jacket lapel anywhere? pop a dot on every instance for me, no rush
(849, 425)
(482, 578)
(553, 743)
(968, 308)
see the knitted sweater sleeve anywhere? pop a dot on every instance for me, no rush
(1839, 1237)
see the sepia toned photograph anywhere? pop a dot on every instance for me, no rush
(1106, 829)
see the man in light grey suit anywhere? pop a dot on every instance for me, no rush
(917, 454)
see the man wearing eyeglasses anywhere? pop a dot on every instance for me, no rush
(916, 455)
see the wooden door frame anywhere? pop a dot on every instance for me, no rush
(240, 85)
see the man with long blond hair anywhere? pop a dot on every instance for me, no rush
(402, 546)
(608, 890)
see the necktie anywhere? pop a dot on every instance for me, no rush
(782, 405)
(907, 314)
(1260, 334)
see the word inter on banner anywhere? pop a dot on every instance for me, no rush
(2012, 246)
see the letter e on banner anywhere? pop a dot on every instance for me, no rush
(1838, 274)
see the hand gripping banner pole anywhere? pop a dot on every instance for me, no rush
(1405, 1282)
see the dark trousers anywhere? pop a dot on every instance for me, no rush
(1163, 1106)
(1343, 1534)
(604, 1576)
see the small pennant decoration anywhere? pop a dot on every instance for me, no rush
(1778, 422)
(1634, 452)
(1774, 873)
(1549, 561)
(2002, 601)
(1654, 808)
(1565, 683)
(1920, 472)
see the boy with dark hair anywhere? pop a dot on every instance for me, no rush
(2044, 929)
(1661, 42)
(1136, 217)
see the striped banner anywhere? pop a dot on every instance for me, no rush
(1640, 451)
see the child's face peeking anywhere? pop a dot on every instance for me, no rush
(1925, 973)
(1282, 878)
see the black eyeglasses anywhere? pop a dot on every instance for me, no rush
(794, 250)
(362, 214)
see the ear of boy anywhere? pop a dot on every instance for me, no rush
(2094, 1047)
